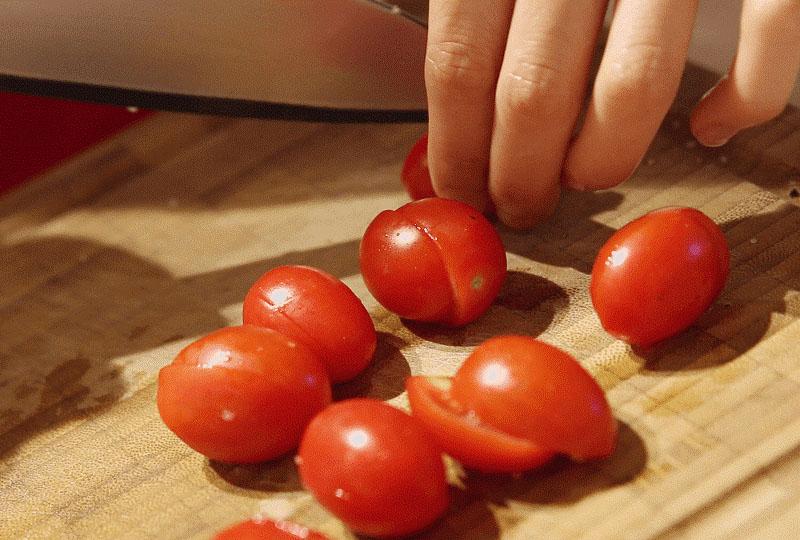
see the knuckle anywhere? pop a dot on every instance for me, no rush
(644, 79)
(533, 89)
(458, 66)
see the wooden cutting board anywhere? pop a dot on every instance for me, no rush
(116, 260)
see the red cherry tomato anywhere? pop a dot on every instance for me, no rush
(434, 260)
(242, 394)
(373, 467)
(415, 174)
(315, 308)
(268, 530)
(655, 276)
(514, 403)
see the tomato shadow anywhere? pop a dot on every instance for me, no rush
(526, 305)
(384, 378)
(279, 475)
(74, 314)
(761, 296)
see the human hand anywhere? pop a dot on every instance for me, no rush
(506, 81)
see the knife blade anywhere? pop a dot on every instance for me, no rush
(320, 60)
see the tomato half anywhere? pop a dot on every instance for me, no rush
(373, 466)
(242, 394)
(656, 275)
(268, 530)
(317, 309)
(513, 403)
(416, 176)
(434, 260)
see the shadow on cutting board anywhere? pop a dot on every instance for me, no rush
(73, 312)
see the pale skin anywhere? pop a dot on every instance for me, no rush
(506, 81)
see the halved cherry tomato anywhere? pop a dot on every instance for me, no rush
(268, 530)
(415, 174)
(514, 403)
(373, 466)
(317, 309)
(434, 260)
(242, 394)
(656, 275)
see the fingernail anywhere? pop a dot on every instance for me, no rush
(714, 135)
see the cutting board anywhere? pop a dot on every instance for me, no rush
(119, 258)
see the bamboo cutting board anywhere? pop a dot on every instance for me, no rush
(116, 260)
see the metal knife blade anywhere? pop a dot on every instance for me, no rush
(336, 60)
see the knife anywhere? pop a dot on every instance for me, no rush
(316, 60)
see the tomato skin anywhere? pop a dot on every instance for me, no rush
(268, 530)
(317, 309)
(242, 394)
(531, 390)
(373, 466)
(416, 176)
(656, 275)
(474, 445)
(433, 260)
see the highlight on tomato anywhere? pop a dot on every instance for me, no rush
(318, 310)
(513, 404)
(656, 275)
(242, 394)
(374, 467)
(258, 529)
(433, 260)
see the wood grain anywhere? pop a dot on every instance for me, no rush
(119, 258)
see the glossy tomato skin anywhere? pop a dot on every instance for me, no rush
(461, 434)
(317, 309)
(415, 175)
(373, 466)
(531, 390)
(268, 530)
(655, 276)
(433, 260)
(242, 394)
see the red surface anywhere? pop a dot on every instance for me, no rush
(37, 133)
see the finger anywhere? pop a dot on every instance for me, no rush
(465, 50)
(539, 92)
(635, 85)
(761, 77)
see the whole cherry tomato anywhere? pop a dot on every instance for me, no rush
(434, 260)
(268, 530)
(373, 467)
(514, 403)
(315, 308)
(415, 174)
(656, 275)
(242, 394)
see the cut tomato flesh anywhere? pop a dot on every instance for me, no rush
(463, 437)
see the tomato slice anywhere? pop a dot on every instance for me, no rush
(464, 437)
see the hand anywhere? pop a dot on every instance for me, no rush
(506, 80)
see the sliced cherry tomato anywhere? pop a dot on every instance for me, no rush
(268, 530)
(466, 439)
(514, 403)
(317, 309)
(373, 466)
(434, 260)
(656, 275)
(415, 174)
(242, 394)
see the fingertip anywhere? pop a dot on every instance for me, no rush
(526, 216)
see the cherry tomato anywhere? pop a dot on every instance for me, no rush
(315, 308)
(655, 276)
(373, 466)
(514, 403)
(242, 394)
(434, 260)
(268, 530)
(415, 174)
